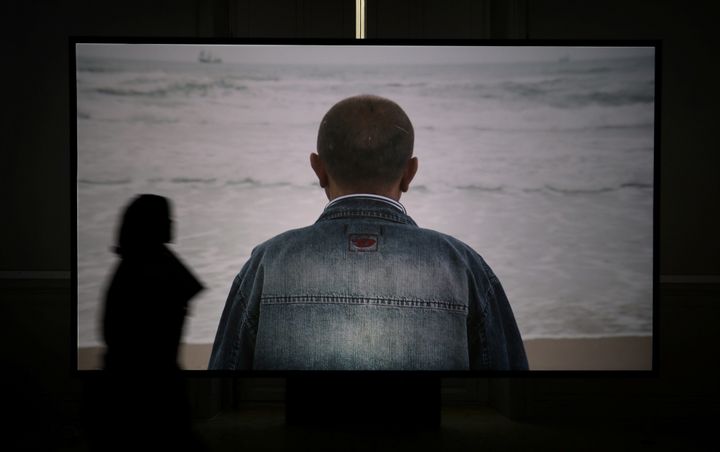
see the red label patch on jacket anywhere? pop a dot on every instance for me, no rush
(363, 242)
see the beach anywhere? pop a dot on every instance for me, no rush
(596, 353)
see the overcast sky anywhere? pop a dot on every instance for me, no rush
(294, 54)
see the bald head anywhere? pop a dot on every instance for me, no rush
(365, 142)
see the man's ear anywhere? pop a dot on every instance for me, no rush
(319, 167)
(409, 173)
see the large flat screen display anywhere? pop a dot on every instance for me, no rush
(538, 157)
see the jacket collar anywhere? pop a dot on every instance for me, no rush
(366, 205)
(370, 196)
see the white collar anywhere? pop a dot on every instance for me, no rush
(369, 195)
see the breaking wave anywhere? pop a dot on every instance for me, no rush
(173, 88)
(104, 182)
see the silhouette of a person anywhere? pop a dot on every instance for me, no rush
(141, 397)
(147, 299)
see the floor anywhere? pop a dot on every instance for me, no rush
(462, 429)
(262, 428)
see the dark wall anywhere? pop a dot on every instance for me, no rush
(35, 185)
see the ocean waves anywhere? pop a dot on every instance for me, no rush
(123, 181)
(553, 189)
(535, 166)
(247, 182)
(610, 98)
(188, 87)
(609, 84)
(565, 94)
(251, 183)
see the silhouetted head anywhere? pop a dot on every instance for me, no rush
(365, 144)
(145, 224)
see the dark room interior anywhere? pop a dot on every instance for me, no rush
(675, 408)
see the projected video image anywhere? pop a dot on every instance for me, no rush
(540, 159)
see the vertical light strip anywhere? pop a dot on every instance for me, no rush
(359, 19)
(363, 25)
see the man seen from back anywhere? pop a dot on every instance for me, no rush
(365, 288)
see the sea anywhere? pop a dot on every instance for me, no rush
(543, 167)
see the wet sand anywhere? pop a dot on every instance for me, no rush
(602, 353)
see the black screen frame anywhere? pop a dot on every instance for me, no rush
(654, 43)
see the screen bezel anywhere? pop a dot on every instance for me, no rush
(656, 44)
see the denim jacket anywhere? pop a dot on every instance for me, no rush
(364, 288)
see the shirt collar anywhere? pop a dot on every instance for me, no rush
(392, 202)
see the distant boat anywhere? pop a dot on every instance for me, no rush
(206, 56)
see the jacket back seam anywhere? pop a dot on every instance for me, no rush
(378, 301)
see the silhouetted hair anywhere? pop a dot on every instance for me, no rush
(365, 141)
(145, 223)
